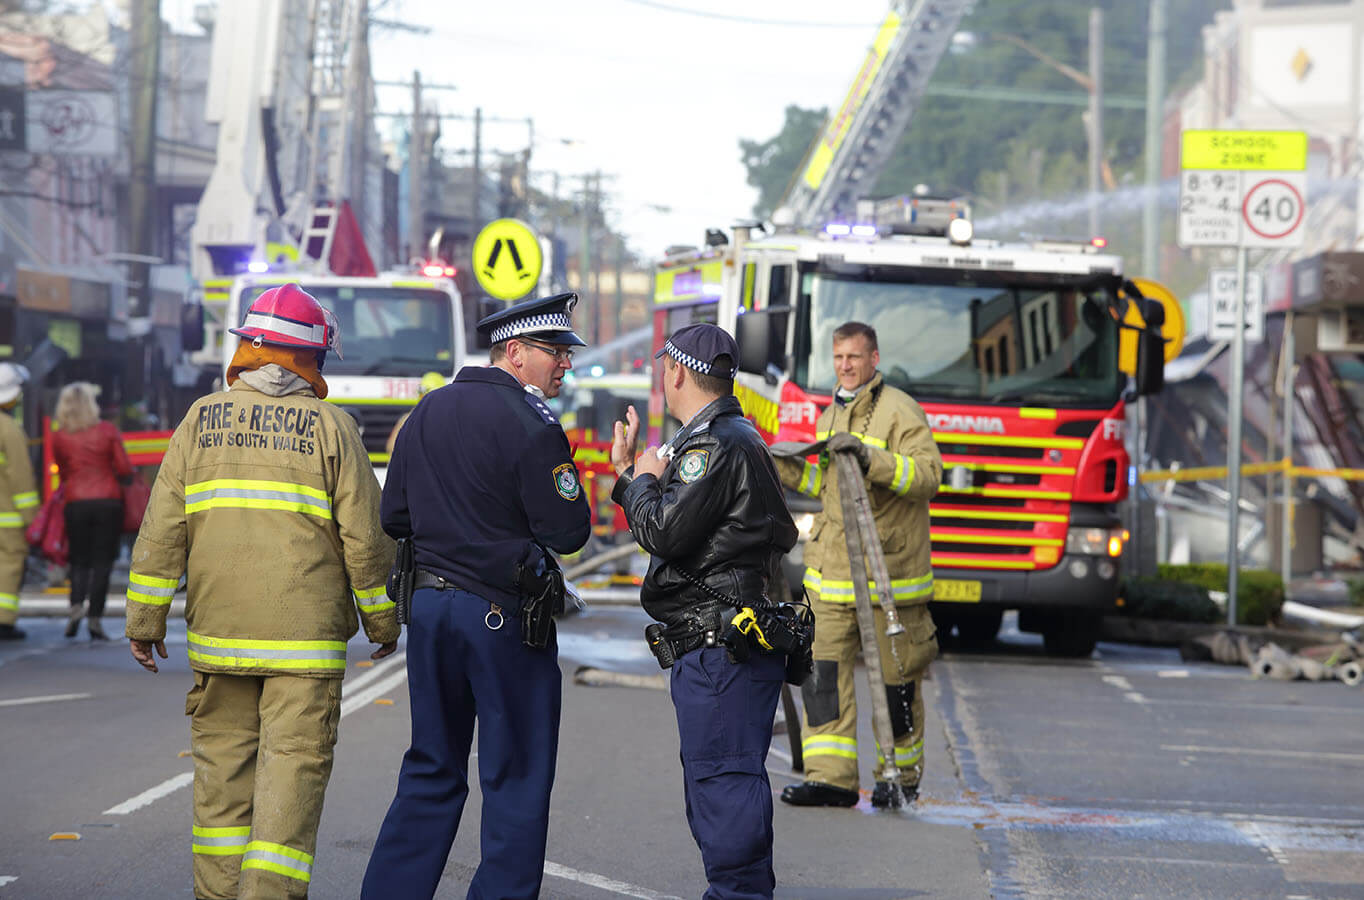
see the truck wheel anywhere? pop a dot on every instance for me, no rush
(1074, 639)
(944, 618)
(979, 627)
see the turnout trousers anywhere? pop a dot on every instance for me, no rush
(458, 666)
(829, 737)
(725, 712)
(262, 748)
(13, 552)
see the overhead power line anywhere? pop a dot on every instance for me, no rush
(745, 20)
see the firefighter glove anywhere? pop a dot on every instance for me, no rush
(845, 441)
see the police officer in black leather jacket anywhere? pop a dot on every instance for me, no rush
(708, 505)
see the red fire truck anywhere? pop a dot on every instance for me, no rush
(1013, 350)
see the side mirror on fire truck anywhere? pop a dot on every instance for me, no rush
(761, 336)
(1151, 350)
(192, 326)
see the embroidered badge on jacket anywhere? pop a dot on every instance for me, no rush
(566, 481)
(693, 465)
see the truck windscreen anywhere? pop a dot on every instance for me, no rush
(385, 330)
(1017, 340)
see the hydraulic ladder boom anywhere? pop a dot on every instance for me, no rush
(858, 138)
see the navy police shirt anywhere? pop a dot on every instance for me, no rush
(480, 470)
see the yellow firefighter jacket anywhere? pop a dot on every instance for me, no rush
(18, 491)
(268, 506)
(905, 472)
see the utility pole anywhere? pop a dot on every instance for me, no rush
(477, 173)
(416, 166)
(144, 72)
(585, 252)
(1096, 115)
(1155, 107)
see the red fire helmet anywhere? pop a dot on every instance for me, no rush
(290, 317)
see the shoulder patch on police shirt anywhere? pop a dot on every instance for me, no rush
(692, 465)
(541, 408)
(566, 481)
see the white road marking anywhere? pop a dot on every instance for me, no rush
(47, 698)
(603, 883)
(373, 692)
(8, 879)
(1135, 697)
(1173, 673)
(1248, 751)
(348, 705)
(1118, 682)
(151, 795)
(780, 754)
(351, 685)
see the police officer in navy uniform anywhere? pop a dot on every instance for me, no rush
(709, 506)
(482, 479)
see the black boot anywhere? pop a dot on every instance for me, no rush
(884, 796)
(815, 793)
(12, 633)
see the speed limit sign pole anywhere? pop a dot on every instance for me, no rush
(1242, 189)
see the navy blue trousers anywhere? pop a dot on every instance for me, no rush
(456, 667)
(724, 719)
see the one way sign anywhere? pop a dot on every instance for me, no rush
(1222, 297)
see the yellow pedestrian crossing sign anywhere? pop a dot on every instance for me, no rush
(507, 259)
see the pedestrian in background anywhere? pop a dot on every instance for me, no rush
(482, 480)
(267, 504)
(902, 468)
(709, 507)
(92, 465)
(18, 500)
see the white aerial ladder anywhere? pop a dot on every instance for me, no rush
(849, 154)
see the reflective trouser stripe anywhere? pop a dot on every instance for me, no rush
(904, 756)
(811, 478)
(370, 594)
(904, 474)
(9, 601)
(229, 841)
(901, 589)
(829, 745)
(25, 500)
(242, 493)
(151, 590)
(251, 654)
(11, 520)
(279, 859)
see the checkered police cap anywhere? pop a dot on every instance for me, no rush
(546, 318)
(700, 348)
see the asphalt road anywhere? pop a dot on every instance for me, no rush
(1128, 775)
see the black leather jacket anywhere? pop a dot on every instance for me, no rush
(717, 511)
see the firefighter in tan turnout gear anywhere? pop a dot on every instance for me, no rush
(18, 500)
(267, 504)
(903, 468)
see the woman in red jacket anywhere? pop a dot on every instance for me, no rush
(91, 460)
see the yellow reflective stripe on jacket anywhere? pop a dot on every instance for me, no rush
(279, 859)
(9, 601)
(904, 474)
(245, 493)
(829, 745)
(370, 594)
(230, 841)
(25, 500)
(11, 520)
(866, 439)
(842, 591)
(151, 590)
(811, 479)
(904, 756)
(240, 653)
